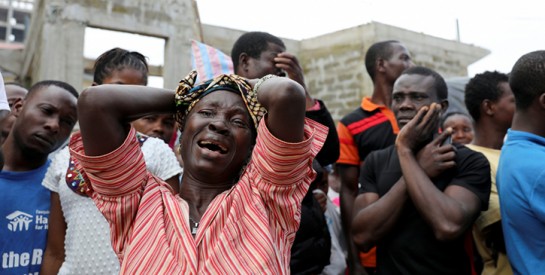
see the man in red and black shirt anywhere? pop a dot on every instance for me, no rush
(370, 127)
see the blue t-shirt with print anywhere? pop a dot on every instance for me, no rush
(24, 212)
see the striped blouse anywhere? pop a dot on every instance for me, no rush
(248, 229)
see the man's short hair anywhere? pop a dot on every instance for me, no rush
(253, 44)
(46, 83)
(439, 82)
(378, 50)
(527, 78)
(481, 87)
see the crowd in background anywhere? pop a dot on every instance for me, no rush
(247, 173)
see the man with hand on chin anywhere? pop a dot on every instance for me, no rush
(420, 196)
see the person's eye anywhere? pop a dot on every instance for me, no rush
(239, 122)
(418, 97)
(206, 113)
(47, 111)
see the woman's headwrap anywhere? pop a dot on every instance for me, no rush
(187, 95)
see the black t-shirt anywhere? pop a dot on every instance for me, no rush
(331, 148)
(311, 248)
(411, 247)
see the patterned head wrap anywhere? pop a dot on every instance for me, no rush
(187, 95)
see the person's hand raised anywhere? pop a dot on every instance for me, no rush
(420, 129)
(438, 155)
(289, 64)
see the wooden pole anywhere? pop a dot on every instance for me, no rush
(198, 24)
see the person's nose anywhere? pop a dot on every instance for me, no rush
(219, 125)
(406, 104)
(158, 128)
(52, 124)
(458, 134)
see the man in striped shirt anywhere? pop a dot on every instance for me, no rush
(240, 198)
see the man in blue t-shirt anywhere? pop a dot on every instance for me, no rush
(44, 120)
(521, 170)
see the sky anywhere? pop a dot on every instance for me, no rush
(151, 47)
(509, 29)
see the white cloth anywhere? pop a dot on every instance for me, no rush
(334, 196)
(4, 105)
(87, 241)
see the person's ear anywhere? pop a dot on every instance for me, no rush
(94, 84)
(542, 101)
(380, 64)
(444, 106)
(243, 62)
(17, 106)
(488, 107)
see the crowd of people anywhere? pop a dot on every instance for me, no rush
(247, 173)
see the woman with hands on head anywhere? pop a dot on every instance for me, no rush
(245, 174)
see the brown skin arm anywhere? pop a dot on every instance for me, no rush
(284, 100)
(105, 113)
(349, 190)
(374, 217)
(54, 251)
(454, 209)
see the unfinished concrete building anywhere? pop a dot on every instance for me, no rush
(333, 63)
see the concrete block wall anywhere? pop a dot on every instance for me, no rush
(335, 68)
(224, 38)
(54, 47)
(333, 63)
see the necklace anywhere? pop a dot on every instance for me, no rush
(193, 225)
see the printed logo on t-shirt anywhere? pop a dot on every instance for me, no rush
(12, 259)
(20, 221)
(25, 241)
